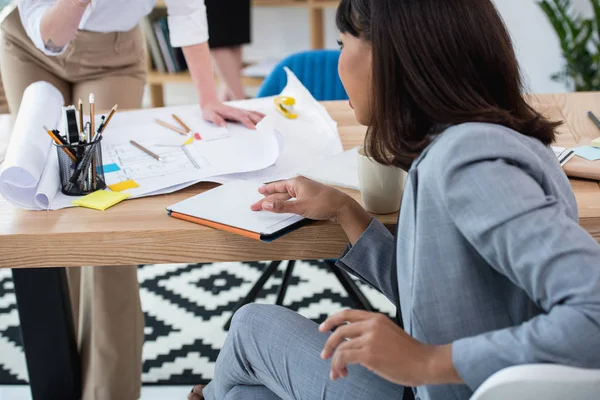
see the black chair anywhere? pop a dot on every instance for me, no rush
(358, 298)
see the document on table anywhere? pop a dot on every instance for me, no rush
(309, 140)
(220, 151)
(338, 170)
(30, 179)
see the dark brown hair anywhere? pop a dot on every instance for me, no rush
(437, 63)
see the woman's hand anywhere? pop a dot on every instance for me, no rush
(315, 201)
(218, 113)
(311, 199)
(378, 344)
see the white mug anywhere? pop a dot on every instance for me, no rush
(381, 186)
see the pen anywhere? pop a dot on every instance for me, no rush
(110, 115)
(145, 150)
(594, 119)
(56, 133)
(80, 116)
(92, 112)
(173, 128)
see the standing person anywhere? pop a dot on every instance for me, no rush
(229, 29)
(489, 267)
(84, 47)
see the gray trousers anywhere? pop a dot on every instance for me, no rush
(273, 353)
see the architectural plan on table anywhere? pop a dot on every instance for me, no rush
(140, 167)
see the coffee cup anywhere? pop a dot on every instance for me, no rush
(381, 186)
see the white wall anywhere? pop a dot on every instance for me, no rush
(281, 31)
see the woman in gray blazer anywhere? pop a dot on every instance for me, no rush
(489, 266)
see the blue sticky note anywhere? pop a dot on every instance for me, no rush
(588, 152)
(110, 168)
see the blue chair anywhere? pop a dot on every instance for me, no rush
(317, 70)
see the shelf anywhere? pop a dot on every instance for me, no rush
(158, 78)
(317, 40)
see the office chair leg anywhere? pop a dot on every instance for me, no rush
(285, 283)
(253, 293)
(354, 292)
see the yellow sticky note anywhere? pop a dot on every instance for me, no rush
(119, 187)
(596, 142)
(101, 199)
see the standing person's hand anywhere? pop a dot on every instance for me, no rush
(219, 113)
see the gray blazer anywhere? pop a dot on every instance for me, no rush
(490, 257)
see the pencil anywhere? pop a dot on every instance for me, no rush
(92, 172)
(145, 150)
(176, 118)
(60, 143)
(110, 115)
(80, 116)
(92, 112)
(173, 128)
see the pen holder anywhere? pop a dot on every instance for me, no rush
(80, 168)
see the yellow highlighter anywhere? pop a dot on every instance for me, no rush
(285, 105)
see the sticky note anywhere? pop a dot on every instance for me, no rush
(588, 152)
(110, 168)
(596, 142)
(119, 187)
(101, 199)
(197, 136)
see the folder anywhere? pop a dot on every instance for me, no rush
(227, 208)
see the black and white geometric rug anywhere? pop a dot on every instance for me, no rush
(185, 307)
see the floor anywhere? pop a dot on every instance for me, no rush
(148, 393)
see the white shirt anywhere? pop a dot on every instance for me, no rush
(187, 19)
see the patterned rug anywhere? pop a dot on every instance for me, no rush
(186, 307)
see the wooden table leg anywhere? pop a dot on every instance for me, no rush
(157, 98)
(317, 28)
(48, 335)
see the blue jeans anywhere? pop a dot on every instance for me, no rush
(272, 353)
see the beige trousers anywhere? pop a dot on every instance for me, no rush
(106, 305)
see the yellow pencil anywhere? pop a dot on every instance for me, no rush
(60, 143)
(110, 115)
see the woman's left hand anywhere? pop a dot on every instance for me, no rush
(219, 113)
(378, 344)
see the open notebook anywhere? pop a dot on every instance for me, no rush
(227, 207)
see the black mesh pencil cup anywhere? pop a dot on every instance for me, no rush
(80, 168)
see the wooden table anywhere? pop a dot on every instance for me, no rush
(140, 232)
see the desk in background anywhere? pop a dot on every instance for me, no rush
(139, 232)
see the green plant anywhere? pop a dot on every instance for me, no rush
(580, 43)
